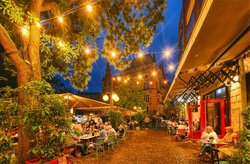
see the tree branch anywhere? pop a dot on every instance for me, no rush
(48, 6)
(10, 48)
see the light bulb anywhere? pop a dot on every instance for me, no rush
(38, 24)
(60, 44)
(87, 51)
(105, 97)
(60, 19)
(24, 31)
(113, 54)
(89, 8)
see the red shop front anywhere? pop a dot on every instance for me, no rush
(207, 113)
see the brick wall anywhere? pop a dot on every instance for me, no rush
(236, 106)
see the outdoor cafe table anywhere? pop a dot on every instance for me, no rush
(209, 142)
(87, 137)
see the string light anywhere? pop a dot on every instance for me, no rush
(113, 54)
(24, 31)
(140, 54)
(140, 76)
(167, 53)
(60, 44)
(87, 51)
(119, 78)
(171, 67)
(153, 73)
(38, 24)
(89, 8)
(125, 81)
(137, 82)
(60, 19)
(150, 82)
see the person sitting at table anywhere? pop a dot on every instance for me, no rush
(210, 136)
(180, 132)
(111, 131)
(104, 134)
(106, 125)
(86, 127)
(74, 141)
(230, 139)
(120, 131)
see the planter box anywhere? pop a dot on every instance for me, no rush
(55, 161)
(33, 161)
(36, 161)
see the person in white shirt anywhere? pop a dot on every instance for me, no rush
(210, 136)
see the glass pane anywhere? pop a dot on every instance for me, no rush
(196, 118)
(213, 116)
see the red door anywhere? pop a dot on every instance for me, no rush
(194, 121)
(211, 113)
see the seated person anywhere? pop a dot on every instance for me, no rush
(74, 141)
(208, 135)
(230, 148)
(103, 134)
(120, 131)
(111, 131)
(180, 133)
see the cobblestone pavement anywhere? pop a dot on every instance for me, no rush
(147, 147)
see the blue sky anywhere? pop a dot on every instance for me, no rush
(166, 37)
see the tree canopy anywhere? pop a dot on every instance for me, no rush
(69, 47)
(131, 95)
(40, 38)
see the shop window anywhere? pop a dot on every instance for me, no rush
(220, 93)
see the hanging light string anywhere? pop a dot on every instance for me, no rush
(86, 5)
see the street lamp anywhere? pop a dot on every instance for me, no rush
(112, 96)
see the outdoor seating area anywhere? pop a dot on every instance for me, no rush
(95, 137)
(124, 81)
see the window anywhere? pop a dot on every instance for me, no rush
(146, 85)
(146, 98)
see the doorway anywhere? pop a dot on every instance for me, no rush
(213, 114)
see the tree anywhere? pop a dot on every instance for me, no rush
(174, 110)
(37, 45)
(131, 95)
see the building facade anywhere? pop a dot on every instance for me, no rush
(144, 72)
(213, 73)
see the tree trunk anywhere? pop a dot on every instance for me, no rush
(28, 69)
(28, 75)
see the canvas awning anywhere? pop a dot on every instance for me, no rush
(86, 104)
(221, 32)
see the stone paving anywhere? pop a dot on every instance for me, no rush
(147, 147)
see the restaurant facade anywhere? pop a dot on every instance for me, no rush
(213, 75)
